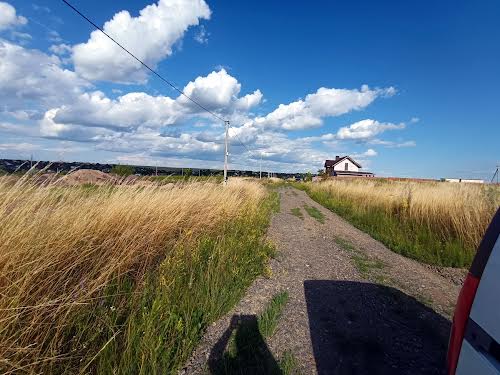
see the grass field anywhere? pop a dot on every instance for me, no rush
(434, 222)
(122, 279)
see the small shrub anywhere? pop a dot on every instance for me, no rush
(123, 170)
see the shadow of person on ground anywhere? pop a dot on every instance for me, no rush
(242, 350)
(363, 328)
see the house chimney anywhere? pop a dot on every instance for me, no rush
(337, 157)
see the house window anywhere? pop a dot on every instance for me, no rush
(346, 166)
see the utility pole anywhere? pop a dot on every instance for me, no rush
(260, 167)
(495, 175)
(226, 123)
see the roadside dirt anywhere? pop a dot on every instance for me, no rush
(355, 307)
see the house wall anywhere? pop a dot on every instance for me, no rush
(341, 166)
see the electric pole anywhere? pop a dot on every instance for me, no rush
(226, 123)
(495, 175)
(260, 167)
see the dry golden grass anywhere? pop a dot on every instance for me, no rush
(464, 209)
(447, 211)
(60, 247)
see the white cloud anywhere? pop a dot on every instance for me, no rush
(30, 77)
(291, 116)
(150, 36)
(60, 49)
(392, 144)
(202, 35)
(216, 90)
(72, 132)
(370, 152)
(154, 144)
(41, 8)
(18, 147)
(127, 113)
(20, 37)
(54, 37)
(246, 102)
(9, 18)
(18, 129)
(326, 102)
(41, 98)
(366, 129)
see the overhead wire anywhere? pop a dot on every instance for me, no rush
(173, 86)
(143, 63)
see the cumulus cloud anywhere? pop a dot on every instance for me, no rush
(326, 102)
(125, 113)
(71, 132)
(38, 94)
(366, 129)
(249, 101)
(156, 144)
(29, 76)
(369, 153)
(150, 36)
(217, 91)
(9, 17)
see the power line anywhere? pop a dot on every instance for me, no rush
(153, 71)
(239, 140)
(143, 63)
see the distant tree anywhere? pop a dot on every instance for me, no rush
(322, 174)
(122, 170)
(308, 177)
(188, 172)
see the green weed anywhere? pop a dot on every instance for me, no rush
(315, 213)
(152, 329)
(296, 212)
(289, 364)
(269, 318)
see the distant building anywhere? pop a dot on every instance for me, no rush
(469, 181)
(345, 166)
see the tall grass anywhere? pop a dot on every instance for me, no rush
(435, 222)
(121, 279)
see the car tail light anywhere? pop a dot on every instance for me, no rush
(462, 311)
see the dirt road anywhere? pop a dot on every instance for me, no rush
(355, 307)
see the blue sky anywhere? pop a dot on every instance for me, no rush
(407, 88)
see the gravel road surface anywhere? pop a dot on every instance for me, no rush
(355, 307)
